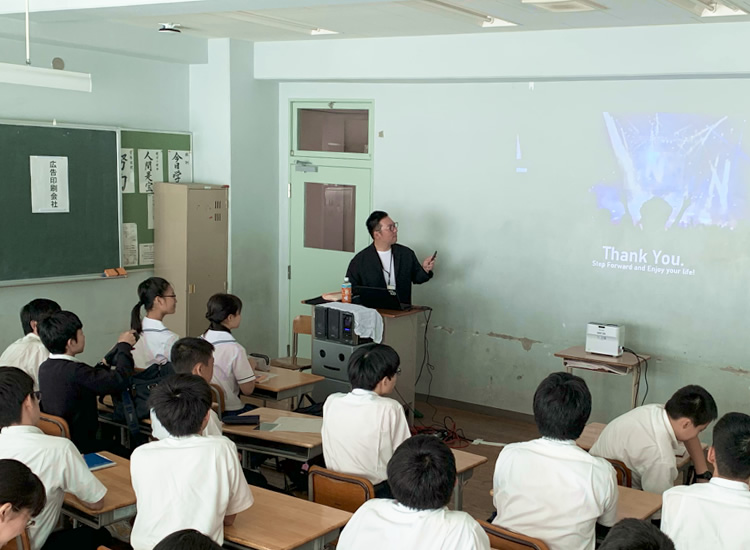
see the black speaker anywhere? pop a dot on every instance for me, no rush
(334, 320)
(321, 322)
(347, 327)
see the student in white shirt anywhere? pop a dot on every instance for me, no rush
(422, 476)
(186, 480)
(549, 488)
(636, 534)
(234, 371)
(646, 438)
(21, 498)
(155, 340)
(55, 460)
(191, 356)
(28, 353)
(362, 428)
(714, 514)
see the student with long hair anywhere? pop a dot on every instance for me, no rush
(22, 497)
(155, 341)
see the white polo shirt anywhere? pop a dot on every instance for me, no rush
(186, 483)
(361, 431)
(158, 431)
(555, 491)
(154, 344)
(384, 523)
(708, 515)
(27, 354)
(57, 462)
(644, 440)
(231, 367)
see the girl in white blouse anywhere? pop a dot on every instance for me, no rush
(155, 340)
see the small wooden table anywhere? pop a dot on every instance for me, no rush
(300, 446)
(465, 464)
(632, 503)
(280, 522)
(286, 384)
(119, 502)
(577, 358)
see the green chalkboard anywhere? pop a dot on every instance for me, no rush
(83, 241)
(135, 199)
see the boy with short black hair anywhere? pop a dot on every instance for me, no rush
(186, 480)
(647, 438)
(422, 475)
(636, 534)
(713, 514)
(535, 482)
(362, 428)
(70, 387)
(28, 353)
(191, 356)
(55, 460)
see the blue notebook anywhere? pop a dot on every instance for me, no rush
(95, 461)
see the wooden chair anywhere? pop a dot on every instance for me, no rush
(624, 475)
(21, 542)
(218, 398)
(502, 539)
(302, 324)
(342, 491)
(54, 425)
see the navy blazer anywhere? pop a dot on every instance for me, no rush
(365, 269)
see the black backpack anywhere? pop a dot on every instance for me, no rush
(131, 405)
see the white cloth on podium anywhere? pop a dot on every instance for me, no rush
(367, 321)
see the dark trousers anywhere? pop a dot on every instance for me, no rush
(81, 538)
(247, 408)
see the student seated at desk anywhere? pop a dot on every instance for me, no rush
(187, 539)
(422, 475)
(191, 356)
(636, 534)
(21, 498)
(713, 514)
(362, 428)
(28, 353)
(186, 480)
(70, 387)
(550, 488)
(155, 340)
(646, 438)
(233, 369)
(55, 460)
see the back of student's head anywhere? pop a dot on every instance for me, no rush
(693, 403)
(15, 387)
(188, 352)
(370, 364)
(422, 473)
(219, 307)
(187, 539)
(562, 405)
(636, 534)
(36, 310)
(57, 328)
(148, 291)
(181, 403)
(20, 488)
(732, 446)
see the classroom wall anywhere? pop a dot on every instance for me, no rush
(129, 92)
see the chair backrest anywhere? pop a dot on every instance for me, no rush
(23, 538)
(54, 425)
(302, 324)
(624, 475)
(342, 491)
(502, 539)
(218, 398)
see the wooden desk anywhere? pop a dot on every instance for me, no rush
(632, 503)
(119, 502)
(280, 522)
(465, 464)
(295, 445)
(285, 384)
(627, 362)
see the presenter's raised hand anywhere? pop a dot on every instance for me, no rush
(429, 263)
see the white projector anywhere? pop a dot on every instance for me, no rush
(605, 339)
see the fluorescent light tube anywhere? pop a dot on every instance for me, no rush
(47, 78)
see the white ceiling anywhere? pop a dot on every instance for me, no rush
(125, 25)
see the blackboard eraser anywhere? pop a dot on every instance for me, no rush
(110, 273)
(122, 272)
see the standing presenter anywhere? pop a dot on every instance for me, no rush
(385, 264)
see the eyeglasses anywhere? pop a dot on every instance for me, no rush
(391, 227)
(37, 395)
(169, 296)
(398, 371)
(30, 523)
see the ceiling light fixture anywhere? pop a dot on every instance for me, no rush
(484, 20)
(565, 6)
(278, 22)
(26, 75)
(710, 8)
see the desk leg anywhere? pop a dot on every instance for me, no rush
(568, 369)
(636, 386)
(458, 492)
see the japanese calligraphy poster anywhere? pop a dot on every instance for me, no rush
(127, 171)
(49, 184)
(129, 244)
(149, 169)
(180, 167)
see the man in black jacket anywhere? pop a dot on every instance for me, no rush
(385, 264)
